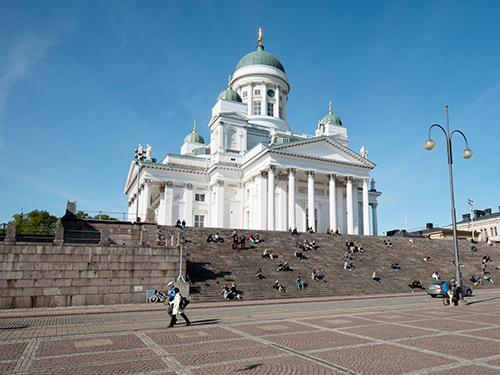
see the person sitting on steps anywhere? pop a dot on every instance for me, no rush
(395, 266)
(258, 275)
(278, 287)
(286, 267)
(210, 239)
(280, 267)
(299, 283)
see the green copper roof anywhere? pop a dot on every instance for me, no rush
(229, 94)
(331, 119)
(260, 57)
(194, 137)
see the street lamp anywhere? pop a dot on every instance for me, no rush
(471, 204)
(181, 240)
(467, 154)
(139, 156)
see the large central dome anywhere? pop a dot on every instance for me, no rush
(260, 57)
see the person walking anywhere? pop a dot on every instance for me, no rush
(177, 310)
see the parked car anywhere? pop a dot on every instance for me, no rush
(436, 289)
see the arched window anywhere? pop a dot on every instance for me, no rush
(232, 140)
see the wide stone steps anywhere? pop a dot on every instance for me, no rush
(209, 266)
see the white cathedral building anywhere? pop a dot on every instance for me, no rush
(256, 173)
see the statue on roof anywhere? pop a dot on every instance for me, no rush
(148, 152)
(363, 152)
(273, 136)
(139, 150)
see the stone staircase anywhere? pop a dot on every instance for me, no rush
(209, 266)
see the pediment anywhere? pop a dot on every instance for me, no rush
(323, 148)
(228, 116)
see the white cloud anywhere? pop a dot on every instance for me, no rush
(22, 55)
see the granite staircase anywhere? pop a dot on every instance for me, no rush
(211, 265)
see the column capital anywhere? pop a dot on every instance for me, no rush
(190, 186)
(169, 184)
(148, 182)
(291, 171)
(282, 176)
(331, 176)
(310, 174)
(220, 183)
(374, 205)
(263, 174)
(366, 181)
(162, 187)
(272, 169)
(349, 179)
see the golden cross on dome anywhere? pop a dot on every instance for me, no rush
(194, 129)
(260, 37)
(330, 105)
(229, 84)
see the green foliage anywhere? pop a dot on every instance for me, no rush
(84, 215)
(34, 222)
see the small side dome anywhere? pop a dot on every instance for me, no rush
(330, 118)
(229, 94)
(194, 136)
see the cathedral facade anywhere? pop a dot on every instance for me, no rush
(255, 172)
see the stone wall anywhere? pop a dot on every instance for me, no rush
(48, 275)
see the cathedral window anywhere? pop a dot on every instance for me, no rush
(199, 221)
(257, 92)
(496, 231)
(245, 94)
(256, 107)
(281, 113)
(199, 197)
(270, 109)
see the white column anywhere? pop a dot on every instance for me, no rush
(262, 201)
(341, 211)
(333, 205)
(374, 219)
(277, 102)
(264, 98)
(168, 201)
(271, 198)
(291, 197)
(251, 203)
(250, 99)
(310, 198)
(219, 204)
(349, 206)
(366, 208)
(189, 205)
(281, 209)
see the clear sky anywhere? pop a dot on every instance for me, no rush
(82, 83)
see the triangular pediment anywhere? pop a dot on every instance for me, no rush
(228, 116)
(322, 148)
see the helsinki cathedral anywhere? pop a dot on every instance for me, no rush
(255, 172)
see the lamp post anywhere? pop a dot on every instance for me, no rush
(471, 204)
(467, 154)
(139, 157)
(181, 240)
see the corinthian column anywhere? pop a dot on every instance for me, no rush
(271, 198)
(350, 217)
(366, 208)
(333, 206)
(374, 218)
(219, 204)
(310, 199)
(291, 197)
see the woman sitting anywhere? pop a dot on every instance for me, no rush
(428, 259)
(210, 239)
(395, 266)
(258, 275)
(301, 255)
(218, 238)
(257, 238)
(313, 245)
(278, 287)
(286, 267)
(280, 267)
(416, 285)
(250, 238)
(267, 254)
(347, 266)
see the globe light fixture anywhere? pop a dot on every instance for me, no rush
(467, 154)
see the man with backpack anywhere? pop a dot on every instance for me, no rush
(179, 303)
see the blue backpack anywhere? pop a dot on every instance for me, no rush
(445, 287)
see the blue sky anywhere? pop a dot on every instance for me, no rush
(83, 83)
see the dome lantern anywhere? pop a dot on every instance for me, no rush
(330, 118)
(194, 136)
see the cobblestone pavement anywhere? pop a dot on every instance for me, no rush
(391, 335)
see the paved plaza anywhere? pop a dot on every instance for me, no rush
(389, 335)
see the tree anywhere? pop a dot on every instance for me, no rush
(84, 215)
(34, 222)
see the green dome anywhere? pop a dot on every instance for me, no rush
(260, 57)
(194, 137)
(229, 94)
(331, 119)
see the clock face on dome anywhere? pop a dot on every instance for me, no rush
(270, 93)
